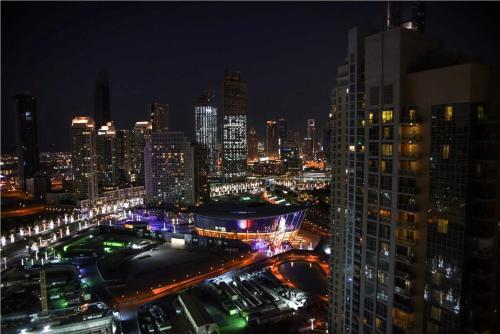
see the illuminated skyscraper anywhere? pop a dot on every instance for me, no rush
(140, 135)
(234, 136)
(205, 126)
(159, 117)
(102, 99)
(272, 140)
(253, 154)
(311, 141)
(413, 200)
(282, 126)
(169, 169)
(84, 157)
(107, 157)
(27, 138)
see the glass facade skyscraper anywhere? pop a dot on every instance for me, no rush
(205, 126)
(27, 138)
(102, 99)
(234, 131)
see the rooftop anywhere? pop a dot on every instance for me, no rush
(244, 209)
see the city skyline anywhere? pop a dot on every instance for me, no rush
(281, 178)
(135, 84)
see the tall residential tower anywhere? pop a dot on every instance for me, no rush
(27, 138)
(234, 132)
(84, 157)
(102, 99)
(205, 126)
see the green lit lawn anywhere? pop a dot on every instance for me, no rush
(227, 324)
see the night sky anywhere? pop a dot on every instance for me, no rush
(170, 52)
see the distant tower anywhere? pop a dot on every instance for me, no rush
(311, 141)
(406, 14)
(253, 154)
(102, 99)
(272, 140)
(234, 137)
(124, 153)
(282, 126)
(84, 157)
(27, 137)
(140, 135)
(107, 154)
(159, 116)
(205, 127)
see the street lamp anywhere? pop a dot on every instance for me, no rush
(312, 323)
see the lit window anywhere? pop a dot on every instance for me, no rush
(387, 132)
(383, 166)
(478, 170)
(446, 151)
(412, 113)
(448, 113)
(370, 117)
(386, 116)
(352, 148)
(480, 113)
(442, 226)
(387, 150)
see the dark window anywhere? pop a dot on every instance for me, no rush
(388, 94)
(374, 96)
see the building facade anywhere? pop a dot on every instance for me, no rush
(311, 141)
(124, 153)
(160, 114)
(347, 188)
(413, 236)
(205, 127)
(234, 131)
(140, 135)
(168, 161)
(102, 99)
(107, 155)
(27, 138)
(272, 140)
(459, 153)
(84, 158)
(253, 154)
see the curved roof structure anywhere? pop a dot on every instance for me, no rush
(232, 210)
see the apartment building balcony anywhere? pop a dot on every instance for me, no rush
(409, 118)
(403, 303)
(409, 276)
(411, 207)
(404, 324)
(407, 224)
(410, 137)
(409, 172)
(407, 242)
(405, 292)
(408, 259)
(410, 155)
(412, 190)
